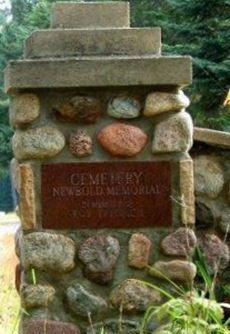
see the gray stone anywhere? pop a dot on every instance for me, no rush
(101, 72)
(114, 326)
(216, 252)
(124, 107)
(209, 176)
(180, 243)
(80, 144)
(47, 251)
(173, 134)
(36, 295)
(83, 303)
(38, 143)
(176, 270)
(134, 296)
(161, 102)
(90, 15)
(225, 221)
(212, 137)
(204, 215)
(99, 254)
(24, 109)
(69, 43)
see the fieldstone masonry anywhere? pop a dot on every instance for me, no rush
(102, 169)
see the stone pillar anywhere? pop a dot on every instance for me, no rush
(102, 169)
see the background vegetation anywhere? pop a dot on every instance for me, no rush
(198, 28)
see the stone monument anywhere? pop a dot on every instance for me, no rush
(102, 170)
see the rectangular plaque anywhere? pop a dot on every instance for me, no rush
(106, 195)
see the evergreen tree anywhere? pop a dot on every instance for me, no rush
(202, 29)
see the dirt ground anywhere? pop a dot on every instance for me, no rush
(9, 305)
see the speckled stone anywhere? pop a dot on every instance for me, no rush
(80, 144)
(161, 102)
(176, 270)
(82, 109)
(180, 243)
(175, 134)
(25, 185)
(47, 251)
(123, 140)
(24, 109)
(209, 176)
(83, 303)
(41, 326)
(124, 107)
(134, 296)
(36, 295)
(38, 143)
(139, 251)
(99, 254)
(187, 192)
(216, 252)
(225, 221)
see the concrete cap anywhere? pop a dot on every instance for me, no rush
(90, 15)
(212, 137)
(98, 72)
(74, 42)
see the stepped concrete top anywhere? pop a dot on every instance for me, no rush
(74, 42)
(91, 45)
(90, 15)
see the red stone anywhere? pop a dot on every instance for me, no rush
(39, 326)
(106, 194)
(123, 140)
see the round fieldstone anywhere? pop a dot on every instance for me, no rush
(36, 295)
(24, 109)
(45, 326)
(39, 143)
(124, 107)
(209, 176)
(180, 243)
(83, 303)
(175, 134)
(134, 296)
(82, 109)
(80, 144)
(216, 252)
(99, 254)
(139, 251)
(176, 270)
(204, 215)
(115, 326)
(161, 102)
(121, 139)
(224, 223)
(47, 251)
